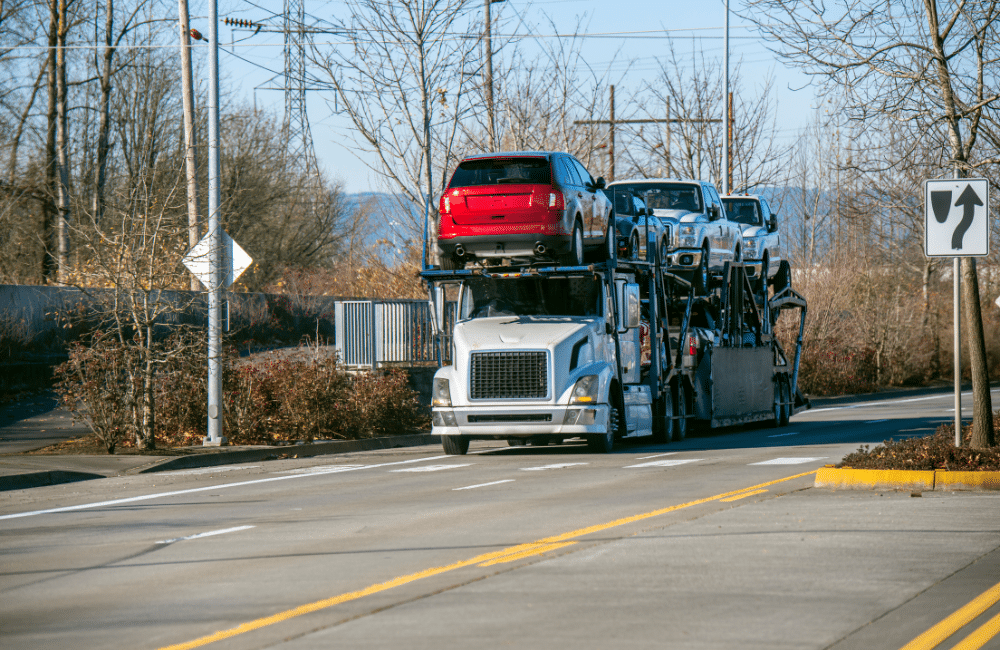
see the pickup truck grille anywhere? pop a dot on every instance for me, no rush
(509, 375)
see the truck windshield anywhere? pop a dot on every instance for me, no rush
(487, 297)
(743, 211)
(667, 196)
(494, 171)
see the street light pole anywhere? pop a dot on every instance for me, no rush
(215, 252)
(726, 112)
(488, 77)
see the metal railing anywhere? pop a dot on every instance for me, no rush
(372, 333)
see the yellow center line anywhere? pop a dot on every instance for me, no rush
(983, 633)
(743, 496)
(932, 637)
(505, 555)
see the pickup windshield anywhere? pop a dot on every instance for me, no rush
(667, 196)
(486, 297)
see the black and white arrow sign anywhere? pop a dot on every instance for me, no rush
(956, 218)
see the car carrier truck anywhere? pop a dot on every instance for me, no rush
(611, 350)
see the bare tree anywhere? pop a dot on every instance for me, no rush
(928, 66)
(401, 81)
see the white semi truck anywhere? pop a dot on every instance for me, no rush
(613, 350)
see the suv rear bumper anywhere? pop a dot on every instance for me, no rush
(506, 244)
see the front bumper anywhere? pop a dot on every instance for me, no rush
(490, 423)
(684, 259)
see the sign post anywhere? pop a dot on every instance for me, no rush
(956, 225)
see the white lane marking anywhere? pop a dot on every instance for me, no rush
(327, 469)
(672, 462)
(160, 495)
(208, 534)
(209, 470)
(788, 461)
(429, 468)
(669, 453)
(892, 401)
(782, 435)
(555, 466)
(876, 421)
(472, 487)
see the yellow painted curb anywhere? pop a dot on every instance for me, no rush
(944, 480)
(900, 479)
(873, 479)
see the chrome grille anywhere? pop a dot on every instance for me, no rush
(509, 375)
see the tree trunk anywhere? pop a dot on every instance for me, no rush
(190, 164)
(62, 149)
(105, 108)
(50, 267)
(982, 407)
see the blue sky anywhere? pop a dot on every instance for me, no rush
(249, 66)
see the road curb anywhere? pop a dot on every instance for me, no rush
(269, 453)
(898, 479)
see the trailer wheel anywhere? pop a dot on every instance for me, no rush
(786, 407)
(778, 394)
(455, 445)
(680, 410)
(603, 443)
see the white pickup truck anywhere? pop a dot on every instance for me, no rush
(761, 239)
(543, 356)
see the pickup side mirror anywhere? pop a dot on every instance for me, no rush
(713, 212)
(600, 184)
(772, 225)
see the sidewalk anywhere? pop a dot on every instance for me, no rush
(39, 422)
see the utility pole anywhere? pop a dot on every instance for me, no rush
(190, 161)
(488, 78)
(613, 121)
(727, 174)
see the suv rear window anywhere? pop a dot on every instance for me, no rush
(497, 171)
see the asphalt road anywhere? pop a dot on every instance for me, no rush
(719, 541)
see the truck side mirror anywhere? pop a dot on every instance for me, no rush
(437, 304)
(713, 212)
(629, 306)
(600, 183)
(772, 225)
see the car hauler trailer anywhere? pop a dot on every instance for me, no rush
(610, 350)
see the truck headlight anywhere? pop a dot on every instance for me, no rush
(686, 235)
(441, 393)
(585, 390)
(750, 247)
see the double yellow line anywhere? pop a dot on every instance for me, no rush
(977, 639)
(510, 554)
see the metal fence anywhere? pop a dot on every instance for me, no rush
(372, 333)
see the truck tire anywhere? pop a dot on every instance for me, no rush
(680, 410)
(663, 426)
(633, 247)
(455, 445)
(515, 442)
(603, 443)
(783, 278)
(701, 275)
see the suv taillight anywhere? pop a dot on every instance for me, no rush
(556, 200)
(445, 204)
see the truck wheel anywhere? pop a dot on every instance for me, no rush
(663, 429)
(455, 445)
(576, 246)
(701, 278)
(603, 443)
(680, 410)
(633, 246)
(664, 250)
(783, 278)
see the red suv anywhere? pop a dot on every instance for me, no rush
(522, 205)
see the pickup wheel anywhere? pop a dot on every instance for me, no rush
(603, 443)
(762, 281)
(680, 410)
(633, 246)
(701, 277)
(664, 250)
(455, 445)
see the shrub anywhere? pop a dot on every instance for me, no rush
(929, 452)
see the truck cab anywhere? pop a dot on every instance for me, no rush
(543, 357)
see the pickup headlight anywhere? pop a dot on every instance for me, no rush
(442, 393)
(686, 235)
(750, 245)
(585, 390)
